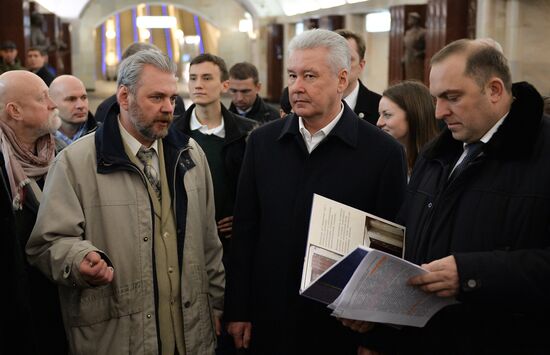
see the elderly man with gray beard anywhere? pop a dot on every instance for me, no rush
(28, 117)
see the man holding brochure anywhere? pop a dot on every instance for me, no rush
(477, 213)
(322, 148)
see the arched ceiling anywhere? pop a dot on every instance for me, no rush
(71, 9)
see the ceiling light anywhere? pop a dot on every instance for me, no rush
(378, 21)
(110, 59)
(245, 25)
(110, 34)
(192, 39)
(144, 33)
(156, 21)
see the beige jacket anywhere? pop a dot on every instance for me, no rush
(105, 207)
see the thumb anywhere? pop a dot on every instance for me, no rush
(93, 258)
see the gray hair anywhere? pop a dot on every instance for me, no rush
(339, 56)
(130, 68)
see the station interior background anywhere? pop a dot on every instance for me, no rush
(87, 37)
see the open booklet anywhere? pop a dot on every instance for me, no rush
(358, 281)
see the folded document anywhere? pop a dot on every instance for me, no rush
(359, 282)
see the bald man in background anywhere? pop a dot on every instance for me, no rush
(70, 96)
(31, 321)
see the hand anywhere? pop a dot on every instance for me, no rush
(241, 333)
(357, 325)
(225, 226)
(442, 278)
(95, 270)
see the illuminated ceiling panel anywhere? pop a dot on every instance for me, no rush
(70, 9)
(67, 9)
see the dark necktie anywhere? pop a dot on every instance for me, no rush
(146, 157)
(472, 151)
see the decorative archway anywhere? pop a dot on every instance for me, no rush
(233, 45)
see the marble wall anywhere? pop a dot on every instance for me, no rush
(522, 29)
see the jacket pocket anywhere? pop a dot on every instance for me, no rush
(94, 305)
(198, 316)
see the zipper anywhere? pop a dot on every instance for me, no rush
(174, 178)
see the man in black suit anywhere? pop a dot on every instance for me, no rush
(244, 87)
(323, 148)
(360, 99)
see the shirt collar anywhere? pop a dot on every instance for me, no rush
(78, 134)
(312, 140)
(487, 137)
(132, 142)
(241, 112)
(194, 124)
(351, 99)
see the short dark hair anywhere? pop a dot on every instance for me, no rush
(415, 99)
(361, 46)
(8, 45)
(214, 59)
(243, 71)
(40, 50)
(482, 61)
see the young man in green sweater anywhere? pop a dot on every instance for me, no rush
(222, 135)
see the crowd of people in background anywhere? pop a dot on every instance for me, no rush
(149, 227)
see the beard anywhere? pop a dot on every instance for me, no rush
(146, 127)
(52, 124)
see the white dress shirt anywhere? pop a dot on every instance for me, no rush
(312, 141)
(351, 99)
(194, 124)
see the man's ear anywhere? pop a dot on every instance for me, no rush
(495, 89)
(122, 96)
(362, 64)
(259, 86)
(225, 86)
(342, 80)
(14, 111)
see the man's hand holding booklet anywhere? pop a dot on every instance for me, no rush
(353, 264)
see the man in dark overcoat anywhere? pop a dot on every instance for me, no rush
(477, 213)
(321, 148)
